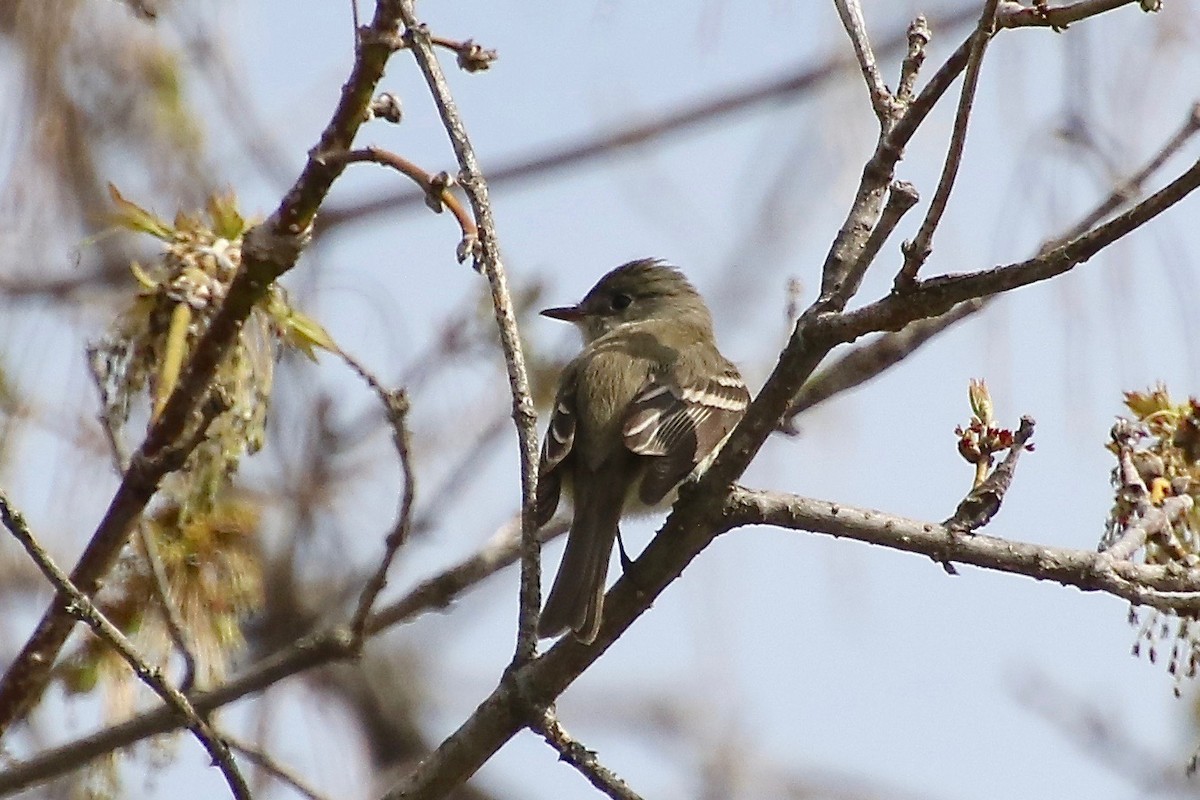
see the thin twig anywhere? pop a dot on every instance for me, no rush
(170, 611)
(272, 767)
(436, 187)
(918, 37)
(523, 412)
(917, 251)
(581, 758)
(160, 585)
(79, 606)
(396, 407)
(1042, 15)
(850, 13)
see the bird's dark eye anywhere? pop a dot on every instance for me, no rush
(620, 302)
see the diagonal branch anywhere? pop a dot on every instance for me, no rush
(867, 361)
(585, 761)
(79, 606)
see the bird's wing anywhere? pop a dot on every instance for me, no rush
(560, 436)
(681, 424)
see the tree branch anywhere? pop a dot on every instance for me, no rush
(395, 408)
(850, 12)
(1018, 15)
(79, 606)
(436, 188)
(523, 412)
(869, 360)
(1161, 587)
(584, 760)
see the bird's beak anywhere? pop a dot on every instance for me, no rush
(565, 313)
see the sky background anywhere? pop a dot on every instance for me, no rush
(780, 659)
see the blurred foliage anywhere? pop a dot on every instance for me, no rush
(214, 577)
(205, 535)
(178, 297)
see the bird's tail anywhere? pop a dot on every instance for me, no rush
(577, 596)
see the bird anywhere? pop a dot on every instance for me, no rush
(644, 407)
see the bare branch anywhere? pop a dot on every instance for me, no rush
(917, 251)
(901, 196)
(870, 360)
(935, 296)
(582, 759)
(79, 606)
(877, 174)
(1042, 15)
(672, 123)
(436, 188)
(1164, 588)
(850, 12)
(523, 412)
(395, 407)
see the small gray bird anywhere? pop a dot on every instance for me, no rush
(644, 407)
